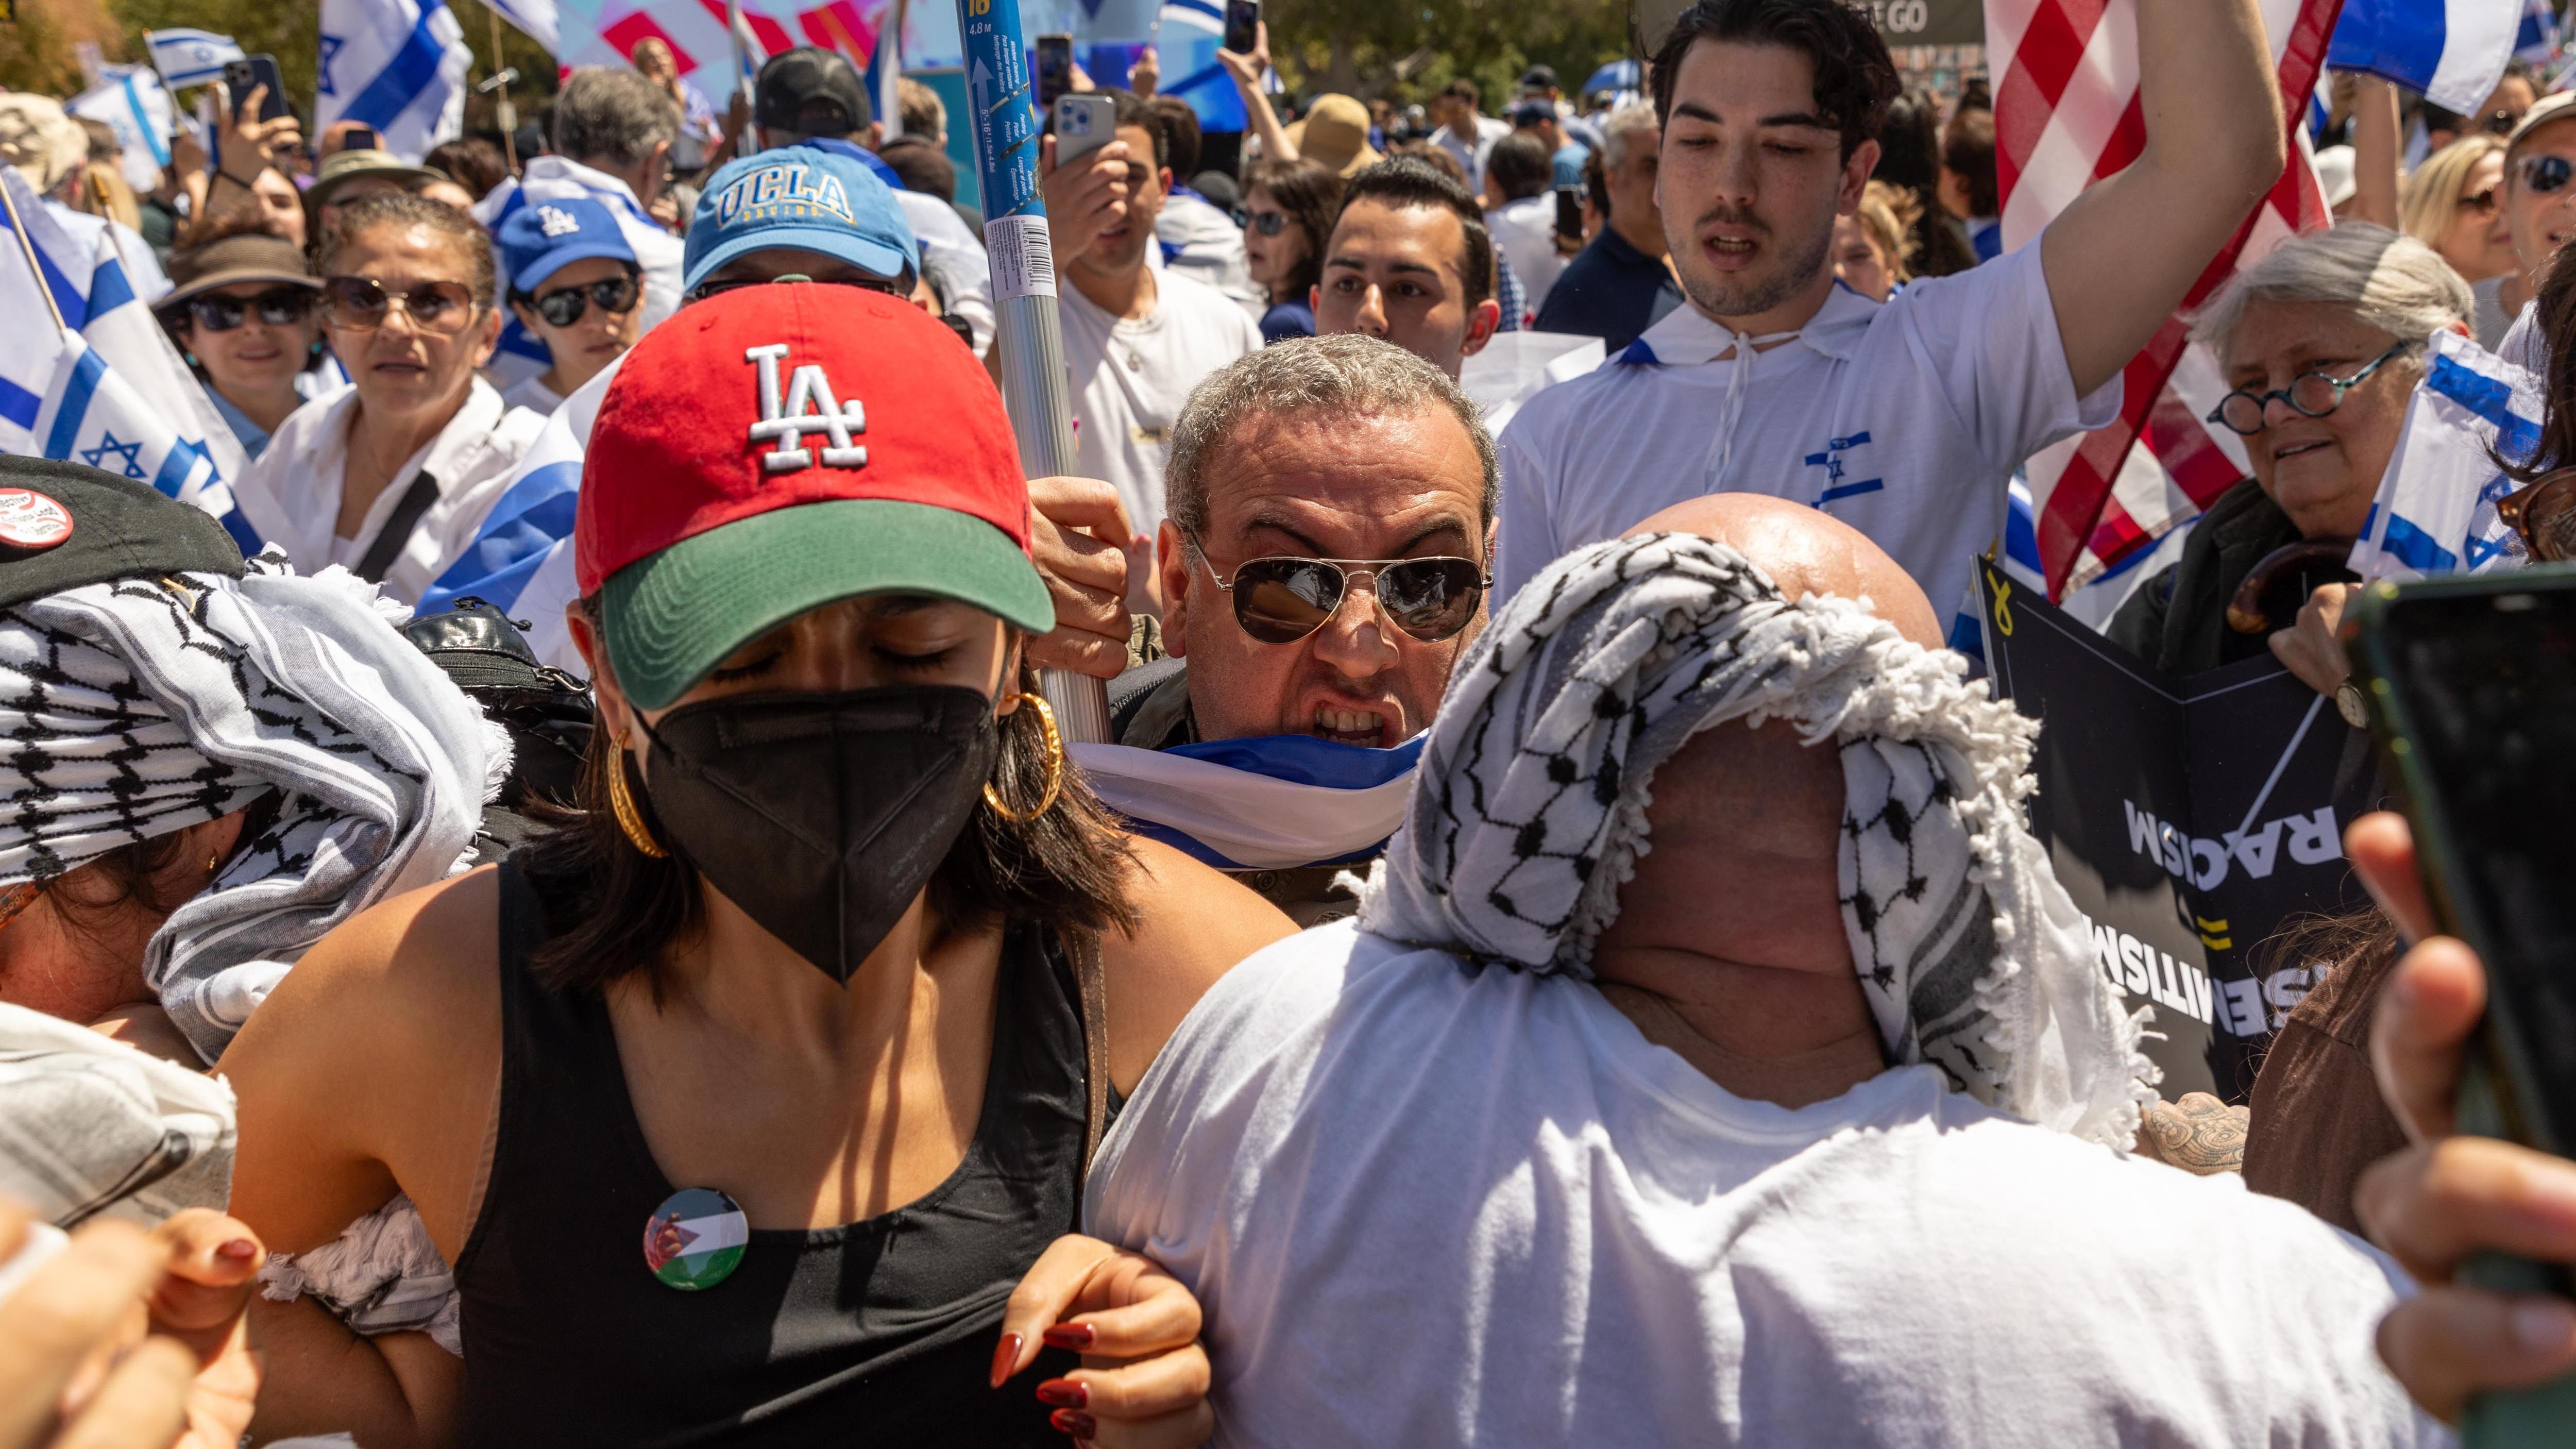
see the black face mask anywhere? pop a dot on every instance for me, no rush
(822, 815)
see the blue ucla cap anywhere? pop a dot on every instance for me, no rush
(542, 237)
(804, 197)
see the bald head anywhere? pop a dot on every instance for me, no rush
(1806, 552)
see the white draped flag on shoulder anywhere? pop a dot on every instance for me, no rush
(188, 57)
(396, 65)
(2436, 509)
(521, 559)
(104, 388)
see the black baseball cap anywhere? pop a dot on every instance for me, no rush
(63, 525)
(794, 79)
(1540, 78)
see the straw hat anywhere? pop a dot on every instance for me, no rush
(1335, 131)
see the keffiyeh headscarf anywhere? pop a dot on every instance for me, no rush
(1531, 811)
(139, 706)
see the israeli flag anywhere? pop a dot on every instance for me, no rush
(2536, 42)
(130, 101)
(1187, 36)
(2436, 509)
(90, 289)
(87, 414)
(521, 559)
(2453, 51)
(190, 57)
(1271, 803)
(396, 65)
(535, 19)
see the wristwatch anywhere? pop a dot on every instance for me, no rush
(2349, 704)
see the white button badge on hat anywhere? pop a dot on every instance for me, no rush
(809, 408)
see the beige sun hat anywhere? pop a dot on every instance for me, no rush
(1335, 131)
(40, 140)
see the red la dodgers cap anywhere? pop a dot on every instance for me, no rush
(777, 447)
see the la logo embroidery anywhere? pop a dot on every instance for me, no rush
(556, 222)
(809, 408)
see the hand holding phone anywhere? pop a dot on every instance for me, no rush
(1085, 195)
(1242, 26)
(254, 81)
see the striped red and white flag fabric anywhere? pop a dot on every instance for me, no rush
(2066, 116)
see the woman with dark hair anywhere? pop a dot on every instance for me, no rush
(243, 311)
(1288, 213)
(1910, 157)
(743, 1105)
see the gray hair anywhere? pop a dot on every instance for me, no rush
(609, 113)
(2389, 280)
(1632, 119)
(1343, 374)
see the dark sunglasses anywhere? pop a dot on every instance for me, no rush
(360, 305)
(2310, 394)
(1268, 223)
(2544, 513)
(564, 306)
(2545, 174)
(278, 307)
(1282, 600)
(2501, 123)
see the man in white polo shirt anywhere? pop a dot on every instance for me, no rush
(1903, 419)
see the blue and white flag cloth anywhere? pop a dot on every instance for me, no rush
(553, 178)
(2536, 42)
(2436, 509)
(396, 65)
(1274, 802)
(2453, 51)
(521, 559)
(1187, 36)
(91, 290)
(187, 57)
(131, 101)
(87, 414)
(535, 19)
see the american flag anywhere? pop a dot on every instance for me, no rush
(2067, 115)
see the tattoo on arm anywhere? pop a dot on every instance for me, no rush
(2198, 1134)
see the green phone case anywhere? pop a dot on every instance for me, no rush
(2523, 1418)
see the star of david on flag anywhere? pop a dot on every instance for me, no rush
(396, 65)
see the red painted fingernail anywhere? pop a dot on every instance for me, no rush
(1064, 1394)
(240, 1250)
(1068, 1335)
(1006, 1355)
(1079, 1425)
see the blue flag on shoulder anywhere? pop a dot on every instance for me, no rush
(1270, 803)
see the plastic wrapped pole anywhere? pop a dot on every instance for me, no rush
(1005, 128)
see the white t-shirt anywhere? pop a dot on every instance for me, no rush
(1471, 153)
(1194, 237)
(1424, 1205)
(1525, 231)
(1129, 378)
(291, 494)
(1904, 419)
(533, 394)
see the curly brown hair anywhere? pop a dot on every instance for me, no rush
(1856, 79)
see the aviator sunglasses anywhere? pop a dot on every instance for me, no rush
(360, 305)
(564, 306)
(2545, 174)
(1283, 599)
(278, 307)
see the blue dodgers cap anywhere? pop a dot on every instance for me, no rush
(803, 197)
(541, 238)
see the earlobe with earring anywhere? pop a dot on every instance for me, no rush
(630, 821)
(1055, 769)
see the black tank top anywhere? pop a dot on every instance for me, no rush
(880, 1332)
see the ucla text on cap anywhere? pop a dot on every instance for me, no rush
(783, 188)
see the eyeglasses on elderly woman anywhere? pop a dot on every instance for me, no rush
(2310, 394)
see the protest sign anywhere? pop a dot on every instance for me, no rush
(2190, 819)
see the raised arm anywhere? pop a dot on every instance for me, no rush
(1247, 71)
(2375, 146)
(2120, 258)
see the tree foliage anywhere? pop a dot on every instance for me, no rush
(1408, 49)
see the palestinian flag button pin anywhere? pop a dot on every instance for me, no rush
(695, 1239)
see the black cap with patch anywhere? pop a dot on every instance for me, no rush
(63, 525)
(794, 83)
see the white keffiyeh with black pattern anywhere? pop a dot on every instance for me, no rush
(136, 707)
(1531, 811)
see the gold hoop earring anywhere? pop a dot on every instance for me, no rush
(1055, 770)
(630, 821)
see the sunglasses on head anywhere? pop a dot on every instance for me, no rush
(1281, 600)
(358, 304)
(564, 306)
(278, 307)
(2545, 174)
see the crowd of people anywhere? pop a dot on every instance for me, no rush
(1551, 947)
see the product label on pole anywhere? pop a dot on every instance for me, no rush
(1005, 119)
(1023, 258)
